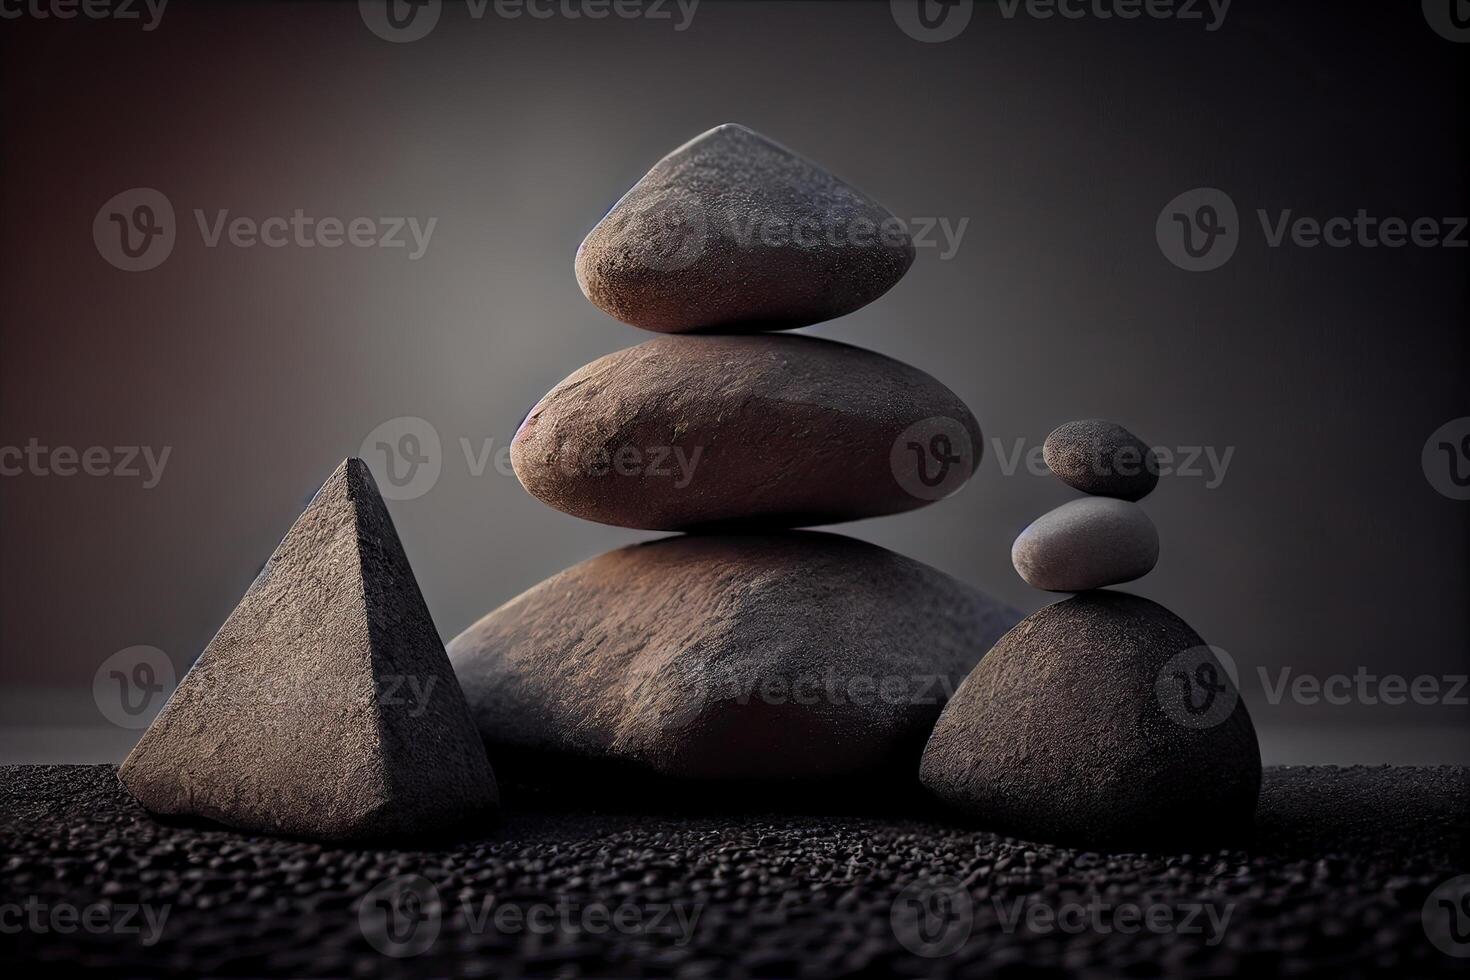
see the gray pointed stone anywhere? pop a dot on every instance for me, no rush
(325, 706)
(733, 232)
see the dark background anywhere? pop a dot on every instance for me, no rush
(1324, 549)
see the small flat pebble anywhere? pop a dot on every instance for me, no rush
(1086, 544)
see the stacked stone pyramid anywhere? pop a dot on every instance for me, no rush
(1103, 719)
(741, 652)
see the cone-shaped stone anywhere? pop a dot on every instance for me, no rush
(732, 232)
(325, 706)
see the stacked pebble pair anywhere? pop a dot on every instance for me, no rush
(1103, 539)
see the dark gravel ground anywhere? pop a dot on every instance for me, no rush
(1334, 882)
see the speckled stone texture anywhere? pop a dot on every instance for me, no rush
(1101, 457)
(781, 430)
(1071, 730)
(744, 659)
(1333, 885)
(325, 706)
(734, 232)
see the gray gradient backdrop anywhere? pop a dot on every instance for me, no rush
(1324, 549)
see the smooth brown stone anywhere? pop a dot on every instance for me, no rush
(733, 232)
(775, 430)
(1086, 725)
(325, 706)
(797, 656)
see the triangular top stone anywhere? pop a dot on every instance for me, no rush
(325, 706)
(733, 232)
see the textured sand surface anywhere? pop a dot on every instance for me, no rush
(1334, 884)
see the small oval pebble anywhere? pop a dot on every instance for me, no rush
(1086, 544)
(1102, 458)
